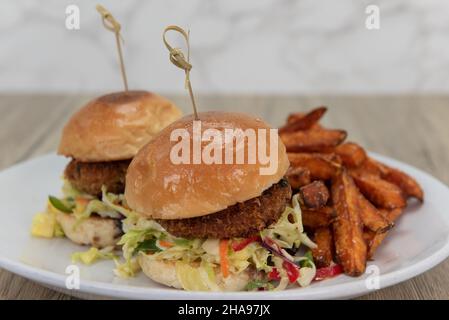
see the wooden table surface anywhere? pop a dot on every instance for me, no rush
(413, 129)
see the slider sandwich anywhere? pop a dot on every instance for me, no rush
(101, 139)
(210, 222)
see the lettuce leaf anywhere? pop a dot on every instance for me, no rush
(93, 254)
(258, 284)
(288, 231)
(147, 246)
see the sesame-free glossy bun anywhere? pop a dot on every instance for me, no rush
(116, 126)
(164, 272)
(158, 188)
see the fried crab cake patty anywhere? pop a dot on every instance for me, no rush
(238, 221)
(89, 177)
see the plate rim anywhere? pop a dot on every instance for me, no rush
(335, 291)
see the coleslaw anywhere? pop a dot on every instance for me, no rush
(273, 256)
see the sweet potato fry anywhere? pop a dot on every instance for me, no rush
(322, 254)
(314, 195)
(408, 185)
(314, 219)
(351, 154)
(368, 235)
(304, 122)
(320, 166)
(380, 192)
(366, 196)
(371, 217)
(293, 117)
(298, 177)
(350, 246)
(312, 140)
(373, 239)
(376, 166)
(369, 166)
(392, 215)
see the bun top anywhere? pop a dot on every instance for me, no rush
(158, 187)
(116, 126)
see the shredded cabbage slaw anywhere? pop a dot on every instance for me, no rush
(76, 203)
(273, 256)
(93, 254)
(197, 261)
(81, 206)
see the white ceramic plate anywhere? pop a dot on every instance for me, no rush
(419, 241)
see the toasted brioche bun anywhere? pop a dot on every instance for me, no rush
(164, 272)
(158, 188)
(116, 126)
(93, 231)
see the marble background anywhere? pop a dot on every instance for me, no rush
(251, 46)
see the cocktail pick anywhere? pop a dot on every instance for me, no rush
(178, 58)
(111, 24)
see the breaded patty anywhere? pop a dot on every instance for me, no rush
(90, 176)
(240, 220)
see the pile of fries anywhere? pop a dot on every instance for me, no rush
(349, 201)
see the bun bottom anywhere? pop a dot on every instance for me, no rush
(164, 272)
(94, 231)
